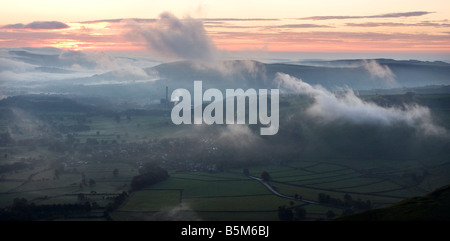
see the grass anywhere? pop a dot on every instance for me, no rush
(44, 184)
(240, 216)
(321, 178)
(63, 181)
(373, 188)
(196, 188)
(232, 196)
(138, 129)
(244, 203)
(105, 170)
(215, 196)
(7, 185)
(229, 196)
(348, 182)
(152, 200)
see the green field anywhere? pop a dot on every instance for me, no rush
(226, 196)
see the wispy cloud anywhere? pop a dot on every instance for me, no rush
(118, 20)
(241, 19)
(299, 26)
(393, 24)
(387, 15)
(368, 39)
(37, 25)
(205, 20)
(382, 72)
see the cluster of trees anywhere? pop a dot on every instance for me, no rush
(348, 202)
(291, 214)
(84, 182)
(151, 174)
(119, 200)
(265, 176)
(22, 210)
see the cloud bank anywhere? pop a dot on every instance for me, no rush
(171, 37)
(329, 107)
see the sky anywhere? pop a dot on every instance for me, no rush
(411, 27)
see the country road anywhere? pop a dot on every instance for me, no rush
(279, 194)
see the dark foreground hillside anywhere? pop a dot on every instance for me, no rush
(434, 206)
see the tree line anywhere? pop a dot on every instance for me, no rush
(151, 174)
(348, 202)
(22, 210)
(291, 214)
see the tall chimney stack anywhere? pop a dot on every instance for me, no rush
(167, 94)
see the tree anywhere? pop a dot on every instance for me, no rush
(347, 197)
(300, 213)
(246, 172)
(151, 174)
(95, 205)
(91, 182)
(87, 207)
(81, 197)
(265, 176)
(347, 212)
(58, 171)
(83, 178)
(116, 172)
(20, 202)
(285, 214)
(330, 214)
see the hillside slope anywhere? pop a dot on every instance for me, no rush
(434, 206)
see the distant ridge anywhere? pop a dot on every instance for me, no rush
(330, 74)
(46, 103)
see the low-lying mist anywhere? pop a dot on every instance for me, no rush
(345, 106)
